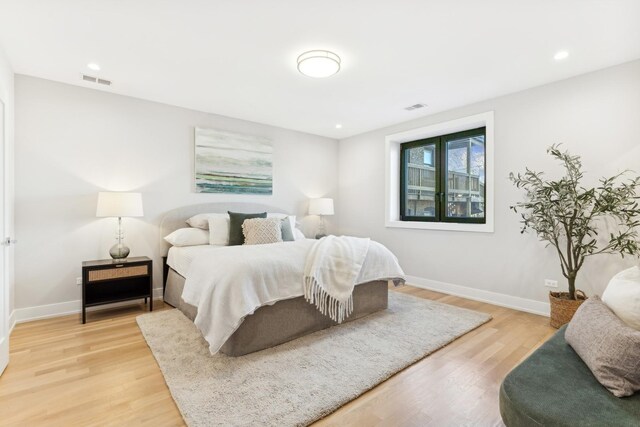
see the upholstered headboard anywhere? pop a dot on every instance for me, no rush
(176, 218)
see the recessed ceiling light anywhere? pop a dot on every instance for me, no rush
(338, 126)
(93, 66)
(559, 56)
(318, 63)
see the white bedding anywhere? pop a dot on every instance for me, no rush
(180, 258)
(229, 283)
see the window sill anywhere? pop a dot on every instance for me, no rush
(443, 226)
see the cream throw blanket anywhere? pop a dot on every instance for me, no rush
(332, 266)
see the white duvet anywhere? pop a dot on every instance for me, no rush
(229, 283)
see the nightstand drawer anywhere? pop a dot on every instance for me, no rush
(117, 273)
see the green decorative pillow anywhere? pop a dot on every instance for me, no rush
(287, 232)
(235, 226)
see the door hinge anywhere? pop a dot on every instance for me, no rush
(8, 241)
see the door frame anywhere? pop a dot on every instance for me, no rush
(4, 250)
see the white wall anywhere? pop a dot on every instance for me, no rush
(7, 96)
(73, 142)
(596, 115)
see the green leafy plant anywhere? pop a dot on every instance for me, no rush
(568, 216)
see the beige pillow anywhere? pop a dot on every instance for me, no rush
(609, 347)
(259, 231)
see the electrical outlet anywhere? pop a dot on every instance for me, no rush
(78, 281)
(551, 283)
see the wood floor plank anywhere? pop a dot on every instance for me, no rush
(102, 373)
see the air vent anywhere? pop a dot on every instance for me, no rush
(92, 79)
(415, 107)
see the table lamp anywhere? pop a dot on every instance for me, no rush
(118, 205)
(321, 207)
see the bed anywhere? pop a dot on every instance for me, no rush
(269, 325)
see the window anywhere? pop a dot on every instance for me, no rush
(442, 178)
(432, 218)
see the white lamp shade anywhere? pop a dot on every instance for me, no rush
(321, 206)
(119, 204)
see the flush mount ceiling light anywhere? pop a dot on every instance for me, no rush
(318, 63)
(93, 66)
(560, 55)
(338, 126)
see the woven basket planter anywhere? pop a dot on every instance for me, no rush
(562, 308)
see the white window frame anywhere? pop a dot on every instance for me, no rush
(392, 172)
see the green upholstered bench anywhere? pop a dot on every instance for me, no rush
(553, 387)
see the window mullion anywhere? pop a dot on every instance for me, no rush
(442, 183)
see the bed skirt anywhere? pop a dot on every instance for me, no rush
(283, 321)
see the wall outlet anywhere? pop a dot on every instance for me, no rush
(550, 283)
(78, 281)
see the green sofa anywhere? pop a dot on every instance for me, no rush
(553, 387)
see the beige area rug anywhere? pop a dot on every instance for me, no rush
(303, 380)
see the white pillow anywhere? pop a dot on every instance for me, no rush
(199, 221)
(297, 234)
(622, 296)
(188, 237)
(218, 226)
(202, 220)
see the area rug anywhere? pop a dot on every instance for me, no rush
(303, 380)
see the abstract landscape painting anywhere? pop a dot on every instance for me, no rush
(229, 162)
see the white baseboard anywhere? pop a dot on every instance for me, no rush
(45, 311)
(28, 314)
(12, 321)
(503, 300)
(4, 353)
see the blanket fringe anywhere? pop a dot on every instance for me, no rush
(338, 311)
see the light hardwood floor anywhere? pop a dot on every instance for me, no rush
(64, 373)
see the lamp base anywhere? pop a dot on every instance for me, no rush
(119, 251)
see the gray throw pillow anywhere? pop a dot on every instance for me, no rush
(287, 232)
(609, 347)
(235, 226)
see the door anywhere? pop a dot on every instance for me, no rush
(4, 251)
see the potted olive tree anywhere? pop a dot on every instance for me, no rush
(569, 218)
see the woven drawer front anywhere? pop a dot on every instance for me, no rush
(117, 273)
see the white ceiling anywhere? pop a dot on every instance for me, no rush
(238, 58)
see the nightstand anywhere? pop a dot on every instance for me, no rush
(108, 281)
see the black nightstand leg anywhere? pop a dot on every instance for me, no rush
(84, 296)
(151, 289)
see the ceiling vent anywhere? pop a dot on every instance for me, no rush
(415, 107)
(97, 80)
